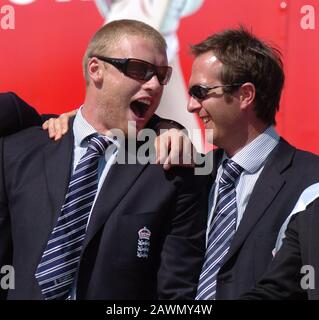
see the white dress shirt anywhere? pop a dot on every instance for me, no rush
(252, 159)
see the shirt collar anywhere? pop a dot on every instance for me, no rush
(254, 154)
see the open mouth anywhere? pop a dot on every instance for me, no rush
(205, 119)
(140, 107)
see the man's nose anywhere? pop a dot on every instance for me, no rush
(193, 105)
(153, 83)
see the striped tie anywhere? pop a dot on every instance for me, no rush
(60, 260)
(221, 232)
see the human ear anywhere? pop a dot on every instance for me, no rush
(247, 93)
(95, 71)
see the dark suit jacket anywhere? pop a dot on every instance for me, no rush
(34, 175)
(16, 114)
(286, 174)
(300, 248)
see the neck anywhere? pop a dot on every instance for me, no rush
(90, 112)
(251, 133)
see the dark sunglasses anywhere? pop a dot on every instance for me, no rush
(200, 91)
(139, 69)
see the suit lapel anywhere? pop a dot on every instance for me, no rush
(57, 163)
(266, 189)
(119, 180)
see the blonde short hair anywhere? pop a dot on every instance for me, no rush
(109, 35)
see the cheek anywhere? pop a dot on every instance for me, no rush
(212, 109)
(221, 112)
(122, 89)
(158, 100)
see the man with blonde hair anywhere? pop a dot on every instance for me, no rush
(74, 223)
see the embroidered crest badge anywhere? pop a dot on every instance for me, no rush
(143, 243)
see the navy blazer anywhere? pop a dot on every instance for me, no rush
(300, 248)
(34, 175)
(287, 172)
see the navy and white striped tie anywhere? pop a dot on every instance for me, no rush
(222, 230)
(60, 260)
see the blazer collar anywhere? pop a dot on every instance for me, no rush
(58, 163)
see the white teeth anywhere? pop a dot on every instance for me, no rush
(145, 101)
(205, 120)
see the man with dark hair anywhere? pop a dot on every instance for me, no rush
(245, 58)
(235, 88)
(76, 224)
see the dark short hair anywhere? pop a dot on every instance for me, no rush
(246, 58)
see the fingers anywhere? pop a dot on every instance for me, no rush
(49, 125)
(182, 152)
(162, 147)
(57, 127)
(174, 148)
(61, 126)
(45, 125)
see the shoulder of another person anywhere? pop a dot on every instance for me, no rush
(27, 140)
(307, 156)
(306, 216)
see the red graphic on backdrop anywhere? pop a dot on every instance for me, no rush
(40, 58)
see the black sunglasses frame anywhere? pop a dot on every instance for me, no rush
(200, 91)
(122, 65)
